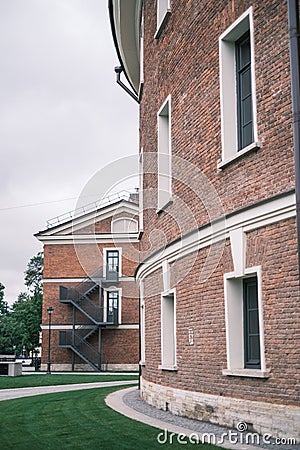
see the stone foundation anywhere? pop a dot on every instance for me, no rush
(87, 368)
(280, 421)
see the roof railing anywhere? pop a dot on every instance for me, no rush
(90, 207)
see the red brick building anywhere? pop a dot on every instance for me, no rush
(218, 278)
(89, 265)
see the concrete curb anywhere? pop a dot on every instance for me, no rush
(8, 394)
(116, 402)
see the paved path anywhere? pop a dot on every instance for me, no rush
(7, 394)
(128, 403)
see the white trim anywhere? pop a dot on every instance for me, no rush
(164, 155)
(252, 147)
(133, 326)
(141, 190)
(228, 89)
(164, 295)
(124, 219)
(89, 238)
(89, 218)
(107, 249)
(238, 250)
(105, 298)
(142, 322)
(249, 373)
(233, 294)
(249, 219)
(166, 275)
(78, 280)
(161, 17)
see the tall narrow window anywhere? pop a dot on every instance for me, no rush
(168, 331)
(251, 324)
(163, 12)
(244, 91)
(164, 154)
(237, 90)
(112, 264)
(112, 306)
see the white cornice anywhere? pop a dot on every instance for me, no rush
(118, 238)
(248, 219)
(90, 218)
(79, 280)
(134, 326)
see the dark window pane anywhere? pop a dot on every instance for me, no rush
(251, 323)
(244, 91)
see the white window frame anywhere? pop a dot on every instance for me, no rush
(168, 339)
(163, 11)
(105, 306)
(164, 126)
(228, 89)
(107, 249)
(142, 323)
(234, 318)
(140, 93)
(141, 190)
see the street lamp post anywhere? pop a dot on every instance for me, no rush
(50, 311)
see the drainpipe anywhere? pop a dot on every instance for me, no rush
(294, 33)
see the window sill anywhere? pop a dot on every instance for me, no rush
(162, 24)
(250, 373)
(164, 207)
(252, 147)
(168, 368)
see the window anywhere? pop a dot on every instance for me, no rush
(142, 323)
(244, 324)
(113, 307)
(251, 324)
(168, 332)
(163, 12)
(141, 189)
(237, 90)
(112, 262)
(164, 155)
(244, 93)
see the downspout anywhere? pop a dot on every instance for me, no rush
(294, 33)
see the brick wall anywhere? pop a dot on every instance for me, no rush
(184, 62)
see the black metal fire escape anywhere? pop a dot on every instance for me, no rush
(87, 299)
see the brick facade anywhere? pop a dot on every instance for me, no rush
(68, 262)
(192, 260)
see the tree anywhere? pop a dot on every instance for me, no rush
(20, 326)
(34, 273)
(6, 345)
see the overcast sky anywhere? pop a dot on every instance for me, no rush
(62, 118)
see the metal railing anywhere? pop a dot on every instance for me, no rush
(90, 207)
(71, 339)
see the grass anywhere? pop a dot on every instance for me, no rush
(74, 420)
(56, 379)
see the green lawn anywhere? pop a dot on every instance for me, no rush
(74, 420)
(56, 379)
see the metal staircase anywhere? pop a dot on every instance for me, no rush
(87, 298)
